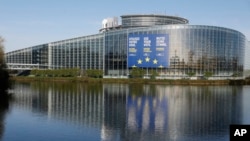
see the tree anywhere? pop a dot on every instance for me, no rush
(208, 74)
(137, 73)
(154, 73)
(191, 74)
(235, 74)
(94, 73)
(4, 75)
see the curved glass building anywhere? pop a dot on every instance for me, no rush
(166, 44)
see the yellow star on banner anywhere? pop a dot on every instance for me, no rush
(160, 66)
(147, 59)
(139, 61)
(155, 61)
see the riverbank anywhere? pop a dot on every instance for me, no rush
(132, 80)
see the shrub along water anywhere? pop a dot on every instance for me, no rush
(75, 72)
(56, 73)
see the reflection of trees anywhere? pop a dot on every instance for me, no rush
(64, 87)
(204, 62)
(4, 105)
(141, 89)
(177, 64)
(4, 80)
(136, 89)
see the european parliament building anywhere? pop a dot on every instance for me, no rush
(162, 43)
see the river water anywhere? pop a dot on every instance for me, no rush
(122, 112)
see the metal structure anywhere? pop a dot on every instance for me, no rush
(18, 66)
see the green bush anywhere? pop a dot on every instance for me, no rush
(153, 73)
(191, 74)
(137, 73)
(94, 73)
(208, 74)
(56, 73)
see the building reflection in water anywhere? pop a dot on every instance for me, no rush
(132, 112)
(180, 112)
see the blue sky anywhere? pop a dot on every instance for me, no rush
(25, 23)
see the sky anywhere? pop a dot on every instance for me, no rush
(26, 23)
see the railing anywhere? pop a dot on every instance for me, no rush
(18, 66)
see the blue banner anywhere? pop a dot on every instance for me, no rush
(148, 50)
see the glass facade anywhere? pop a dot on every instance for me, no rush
(192, 49)
(116, 53)
(37, 55)
(83, 52)
(129, 21)
(247, 60)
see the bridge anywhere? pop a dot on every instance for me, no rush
(19, 66)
